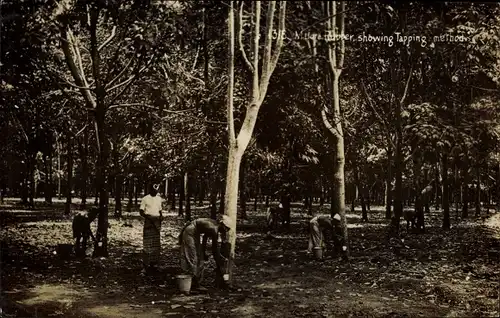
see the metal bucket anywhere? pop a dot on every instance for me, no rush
(318, 253)
(184, 283)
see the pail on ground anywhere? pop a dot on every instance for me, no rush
(64, 250)
(318, 252)
(184, 283)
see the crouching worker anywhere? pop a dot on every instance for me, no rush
(82, 231)
(322, 226)
(193, 252)
(151, 210)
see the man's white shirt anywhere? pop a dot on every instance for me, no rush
(151, 205)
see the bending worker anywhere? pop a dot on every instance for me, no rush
(193, 252)
(325, 224)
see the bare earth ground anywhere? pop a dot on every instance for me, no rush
(436, 274)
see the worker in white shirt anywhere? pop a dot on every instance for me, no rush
(151, 210)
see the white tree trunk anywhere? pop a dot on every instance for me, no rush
(231, 199)
(239, 143)
(336, 66)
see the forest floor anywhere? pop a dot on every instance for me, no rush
(453, 273)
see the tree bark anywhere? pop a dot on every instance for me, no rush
(136, 191)
(69, 184)
(130, 193)
(364, 214)
(213, 200)
(231, 200)
(336, 64)
(182, 196)
(446, 202)
(436, 188)
(465, 205)
(48, 169)
(202, 191)
(222, 198)
(388, 185)
(238, 145)
(478, 190)
(172, 194)
(118, 195)
(59, 171)
(243, 194)
(85, 168)
(101, 243)
(498, 188)
(456, 189)
(187, 190)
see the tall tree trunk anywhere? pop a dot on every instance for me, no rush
(130, 193)
(96, 194)
(398, 165)
(69, 184)
(362, 191)
(353, 201)
(59, 171)
(85, 168)
(237, 145)
(388, 187)
(166, 188)
(446, 202)
(101, 243)
(187, 191)
(243, 194)
(310, 206)
(322, 188)
(498, 188)
(173, 197)
(456, 189)
(368, 193)
(31, 178)
(364, 214)
(118, 182)
(465, 204)
(222, 198)
(48, 170)
(398, 156)
(136, 190)
(336, 63)
(231, 201)
(118, 195)
(214, 189)
(436, 188)
(182, 196)
(478, 190)
(202, 191)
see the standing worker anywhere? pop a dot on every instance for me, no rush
(151, 210)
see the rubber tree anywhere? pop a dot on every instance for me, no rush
(336, 54)
(101, 93)
(260, 82)
(399, 162)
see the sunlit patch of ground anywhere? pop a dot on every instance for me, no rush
(65, 294)
(126, 311)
